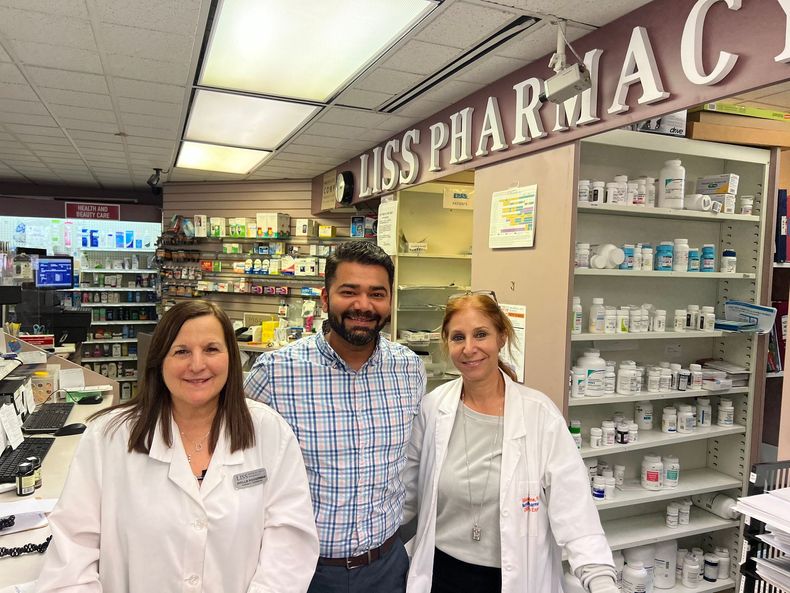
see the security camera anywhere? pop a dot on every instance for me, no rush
(567, 83)
(154, 180)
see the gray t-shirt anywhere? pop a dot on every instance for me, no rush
(455, 517)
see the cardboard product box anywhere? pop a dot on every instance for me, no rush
(357, 226)
(273, 225)
(371, 226)
(723, 107)
(727, 202)
(268, 290)
(326, 231)
(201, 225)
(671, 124)
(322, 267)
(305, 227)
(218, 226)
(727, 183)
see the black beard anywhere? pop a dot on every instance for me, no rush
(356, 337)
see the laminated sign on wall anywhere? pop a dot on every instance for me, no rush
(513, 217)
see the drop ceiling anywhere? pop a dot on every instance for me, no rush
(95, 93)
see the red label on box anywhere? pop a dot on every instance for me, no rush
(39, 339)
(93, 211)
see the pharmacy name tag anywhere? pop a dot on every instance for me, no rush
(249, 479)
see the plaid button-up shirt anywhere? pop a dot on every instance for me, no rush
(353, 428)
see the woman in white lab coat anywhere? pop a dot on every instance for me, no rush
(495, 477)
(188, 487)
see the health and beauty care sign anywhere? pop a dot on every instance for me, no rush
(93, 211)
(661, 58)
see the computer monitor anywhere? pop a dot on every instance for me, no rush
(55, 272)
(38, 251)
(71, 326)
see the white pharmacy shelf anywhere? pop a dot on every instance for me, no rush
(651, 396)
(702, 587)
(649, 439)
(776, 375)
(113, 271)
(657, 274)
(136, 322)
(121, 379)
(694, 481)
(146, 304)
(107, 289)
(436, 255)
(647, 212)
(782, 264)
(668, 335)
(433, 287)
(108, 358)
(112, 341)
(642, 530)
(117, 250)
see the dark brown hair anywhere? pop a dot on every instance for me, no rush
(488, 307)
(153, 402)
(357, 252)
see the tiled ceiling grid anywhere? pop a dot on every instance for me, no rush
(94, 93)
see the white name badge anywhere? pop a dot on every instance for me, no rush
(249, 479)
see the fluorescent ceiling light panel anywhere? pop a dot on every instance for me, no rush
(225, 159)
(238, 120)
(306, 49)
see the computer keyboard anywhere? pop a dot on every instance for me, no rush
(48, 418)
(10, 459)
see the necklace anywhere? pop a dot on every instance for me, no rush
(476, 531)
(197, 445)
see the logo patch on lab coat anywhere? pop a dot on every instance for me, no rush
(249, 479)
(530, 504)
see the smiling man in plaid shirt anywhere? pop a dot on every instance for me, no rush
(351, 396)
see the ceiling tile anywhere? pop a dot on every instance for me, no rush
(29, 107)
(396, 123)
(85, 124)
(4, 57)
(537, 41)
(146, 69)
(17, 91)
(374, 136)
(359, 98)
(9, 73)
(74, 8)
(464, 25)
(336, 131)
(97, 136)
(450, 91)
(421, 108)
(167, 17)
(71, 81)
(137, 89)
(351, 117)
(149, 132)
(144, 43)
(46, 28)
(76, 98)
(35, 131)
(596, 13)
(388, 81)
(420, 57)
(166, 124)
(489, 69)
(149, 142)
(31, 53)
(92, 144)
(330, 142)
(24, 118)
(71, 112)
(302, 158)
(145, 107)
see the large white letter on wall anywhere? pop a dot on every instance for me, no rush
(639, 66)
(461, 136)
(411, 166)
(364, 188)
(492, 128)
(391, 176)
(439, 136)
(377, 169)
(568, 114)
(785, 55)
(691, 46)
(528, 112)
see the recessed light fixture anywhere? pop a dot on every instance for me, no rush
(224, 159)
(241, 120)
(305, 49)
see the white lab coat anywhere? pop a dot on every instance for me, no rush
(130, 522)
(544, 491)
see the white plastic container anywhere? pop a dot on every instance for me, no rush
(591, 463)
(619, 474)
(652, 472)
(615, 194)
(653, 381)
(635, 578)
(710, 571)
(717, 503)
(680, 255)
(597, 317)
(610, 320)
(598, 193)
(726, 415)
(598, 488)
(623, 320)
(578, 382)
(608, 433)
(646, 555)
(619, 564)
(724, 562)
(610, 378)
(672, 515)
(704, 412)
(691, 568)
(610, 487)
(684, 517)
(660, 320)
(576, 316)
(679, 324)
(665, 567)
(669, 421)
(640, 199)
(665, 383)
(583, 194)
(644, 414)
(696, 376)
(596, 438)
(671, 184)
(632, 189)
(595, 366)
(692, 317)
(650, 186)
(607, 256)
(747, 204)
(582, 255)
(671, 471)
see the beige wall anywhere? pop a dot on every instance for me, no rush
(540, 277)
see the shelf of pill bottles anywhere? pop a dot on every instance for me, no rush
(667, 335)
(702, 587)
(112, 341)
(136, 322)
(781, 265)
(295, 295)
(652, 395)
(107, 289)
(641, 530)
(424, 255)
(777, 375)
(658, 274)
(107, 358)
(655, 438)
(295, 240)
(648, 212)
(118, 271)
(113, 305)
(692, 481)
(132, 378)
(117, 250)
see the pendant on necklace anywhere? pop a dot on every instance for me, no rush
(476, 533)
(198, 446)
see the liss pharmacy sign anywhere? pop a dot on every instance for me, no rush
(661, 58)
(93, 211)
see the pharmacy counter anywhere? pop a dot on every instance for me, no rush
(53, 474)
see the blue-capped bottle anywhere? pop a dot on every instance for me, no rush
(708, 262)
